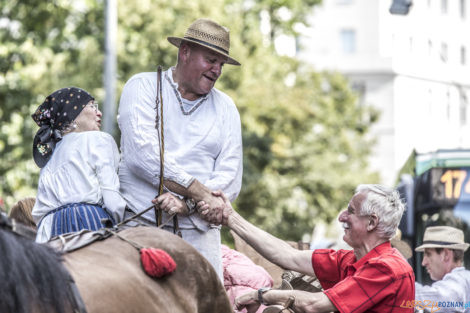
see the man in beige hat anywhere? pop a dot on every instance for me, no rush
(444, 248)
(201, 133)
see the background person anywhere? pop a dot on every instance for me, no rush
(444, 248)
(21, 212)
(202, 136)
(373, 277)
(78, 183)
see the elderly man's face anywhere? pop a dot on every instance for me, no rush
(202, 67)
(355, 225)
(434, 263)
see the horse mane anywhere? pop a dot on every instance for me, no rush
(22, 211)
(32, 276)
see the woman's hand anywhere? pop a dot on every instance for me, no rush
(171, 204)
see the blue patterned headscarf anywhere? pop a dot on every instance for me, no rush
(56, 113)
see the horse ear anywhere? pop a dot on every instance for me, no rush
(156, 262)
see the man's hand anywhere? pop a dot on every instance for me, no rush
(171, 204)
(222, 215)
(248, 301)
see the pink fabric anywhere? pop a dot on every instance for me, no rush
(241, 275)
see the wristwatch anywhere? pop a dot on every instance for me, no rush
(261, 291)
(191, 204)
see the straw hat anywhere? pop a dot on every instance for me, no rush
(209, 34)
(402, 246)
(443, 237)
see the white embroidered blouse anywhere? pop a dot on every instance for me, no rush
(82, 168)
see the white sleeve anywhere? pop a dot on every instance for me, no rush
(105, 155)
(139, 138)
(228, 168)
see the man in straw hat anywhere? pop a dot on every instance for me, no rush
(444, 248)
(201, 133)
(372, 277)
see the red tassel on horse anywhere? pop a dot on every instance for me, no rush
(156, 262)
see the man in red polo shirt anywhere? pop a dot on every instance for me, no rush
(373, 277)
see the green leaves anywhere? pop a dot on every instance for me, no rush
(305, 137)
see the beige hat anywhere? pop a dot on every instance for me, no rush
(402, 246)
(208, 34)
(443, 237)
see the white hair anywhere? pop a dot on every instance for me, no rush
(386, 204)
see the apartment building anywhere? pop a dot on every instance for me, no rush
(413, 68)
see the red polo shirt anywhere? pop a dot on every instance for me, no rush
(379, 282)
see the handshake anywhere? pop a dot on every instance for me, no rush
(214, 207)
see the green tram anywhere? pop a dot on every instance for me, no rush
(437, 194)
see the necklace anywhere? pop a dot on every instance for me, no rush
(177, 94)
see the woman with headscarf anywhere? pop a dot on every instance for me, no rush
(78, 184)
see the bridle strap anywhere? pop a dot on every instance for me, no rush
(135, 216)
(159, 124)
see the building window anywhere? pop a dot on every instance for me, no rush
(462, 9)
(429, 3)
(348, 41)
(444, 52)
(429, 47)
(463, 55)
(444, 6)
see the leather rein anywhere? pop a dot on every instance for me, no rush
(161, 139)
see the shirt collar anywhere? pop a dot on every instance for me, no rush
(458, 269)
(377, 251)
(169, 76)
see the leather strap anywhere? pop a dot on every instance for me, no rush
(79, 304)
(159, 122)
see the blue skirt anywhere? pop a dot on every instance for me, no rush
(77, 216)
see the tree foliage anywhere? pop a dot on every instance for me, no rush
(305, 147)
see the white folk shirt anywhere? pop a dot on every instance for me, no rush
(204, 144)
(82, 168)
(453, 288)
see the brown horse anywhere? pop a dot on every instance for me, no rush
(107, 273)
(110, 278)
